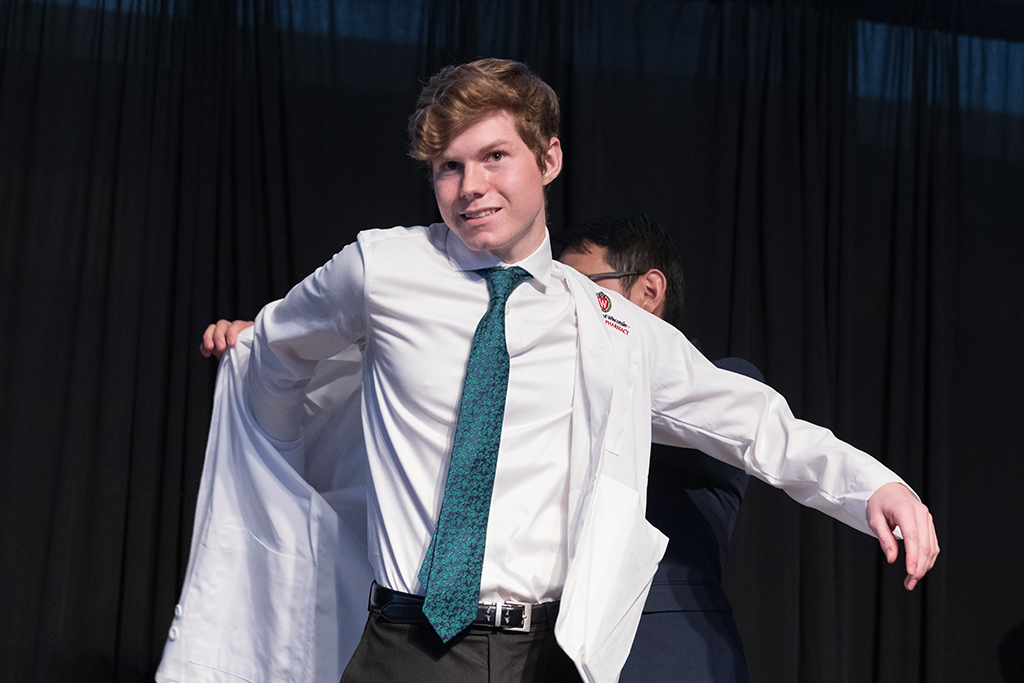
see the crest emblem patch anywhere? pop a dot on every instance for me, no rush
(604, 302)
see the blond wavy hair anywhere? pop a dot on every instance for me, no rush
(456, 97)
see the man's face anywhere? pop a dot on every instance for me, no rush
(490, 190)
(594, 261)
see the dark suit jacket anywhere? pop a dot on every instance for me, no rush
(687, 632)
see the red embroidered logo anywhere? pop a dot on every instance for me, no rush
(604, 302)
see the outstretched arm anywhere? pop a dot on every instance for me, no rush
(221, 336)
(894, 505)
(749, 425)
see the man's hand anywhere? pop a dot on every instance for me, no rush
(221, 336)
(894, 505)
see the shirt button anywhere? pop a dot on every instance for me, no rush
(173, 633)
(177, 611)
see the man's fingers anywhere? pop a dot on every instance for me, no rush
(235, 328)
(207, 346)
(222, 335)
(934, 541)
(912, 547)
(925, 548)
(886, 539)
(919, 541)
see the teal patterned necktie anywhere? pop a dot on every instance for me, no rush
(450, 574)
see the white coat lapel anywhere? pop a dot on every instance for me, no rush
(595, 385)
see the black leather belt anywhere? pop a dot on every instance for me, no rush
(405, 608)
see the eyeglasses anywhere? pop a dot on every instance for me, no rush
(612, 275)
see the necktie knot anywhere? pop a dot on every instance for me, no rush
(501, 282)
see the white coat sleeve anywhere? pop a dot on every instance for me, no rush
(748, 424)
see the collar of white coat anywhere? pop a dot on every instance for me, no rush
(538, 264)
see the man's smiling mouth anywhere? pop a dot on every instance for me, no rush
(479, 214)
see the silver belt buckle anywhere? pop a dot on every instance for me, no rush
(503, 616)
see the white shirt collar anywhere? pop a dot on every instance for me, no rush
(538, 264)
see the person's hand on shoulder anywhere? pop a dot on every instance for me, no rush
(893, 505)
(221, 336)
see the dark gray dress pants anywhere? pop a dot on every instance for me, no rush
(413, 652)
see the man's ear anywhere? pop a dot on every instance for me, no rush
(553, 161)
(649, 291)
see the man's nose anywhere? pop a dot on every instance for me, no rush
(474, 181)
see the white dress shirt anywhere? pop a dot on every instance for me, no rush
(411, 295)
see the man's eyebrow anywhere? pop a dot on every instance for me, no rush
(497, 143)
(484, 149)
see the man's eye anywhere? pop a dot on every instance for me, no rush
(497, 156)
(451, 165)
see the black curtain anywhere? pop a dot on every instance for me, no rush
(843, 178)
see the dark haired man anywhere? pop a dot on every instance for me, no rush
(500, 403)
(687, 623)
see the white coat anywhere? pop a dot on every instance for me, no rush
(277, 580)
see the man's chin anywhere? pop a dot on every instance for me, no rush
(473, 242)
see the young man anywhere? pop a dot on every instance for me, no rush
(687, 623)
(548, 458)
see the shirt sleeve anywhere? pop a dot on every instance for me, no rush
(748, 424)
(321, 316)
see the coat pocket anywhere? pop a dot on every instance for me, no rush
(248, 610)
(626, 548)
(610, 580)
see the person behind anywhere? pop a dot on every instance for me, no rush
(538, 444)
(687, 623)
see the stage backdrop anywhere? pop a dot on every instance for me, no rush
(844, 180)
